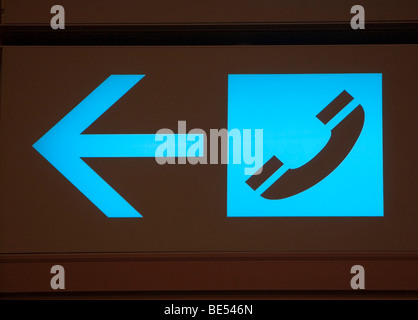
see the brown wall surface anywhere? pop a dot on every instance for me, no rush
(184, 206)
(206, 11)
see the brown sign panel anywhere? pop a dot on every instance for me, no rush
(183, 205)
(206, 12)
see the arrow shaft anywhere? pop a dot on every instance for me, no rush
(134, 145)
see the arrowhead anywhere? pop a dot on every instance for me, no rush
(61, 146)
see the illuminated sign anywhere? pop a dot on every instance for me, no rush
(322, 143)
(331, 179)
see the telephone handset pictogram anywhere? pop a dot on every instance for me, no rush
(343, 138)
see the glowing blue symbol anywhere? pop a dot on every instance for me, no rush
(322, 145)
(64, 146)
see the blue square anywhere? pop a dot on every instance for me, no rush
(323, 135)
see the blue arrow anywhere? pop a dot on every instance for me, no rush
(64, 146)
